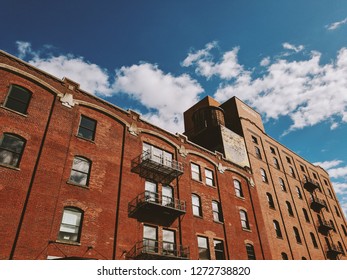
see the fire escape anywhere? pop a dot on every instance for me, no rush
(156, 208)
(325, 227)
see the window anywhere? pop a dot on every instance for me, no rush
(298, 192)
(283, 186)
(209, 177)
(289, 208)
(333, 225)
(244, 219)
(330, 194)
(325, 182)
(195, 171)
(314, 241)
(70, 227)
(276, 164)
(250, 251)
(270, 200)
(157, 155)
(277, 229)
(303, 258)
(204, 252)
(219, 249)
(254, 140)
(18, 99)
(272, 150)
(167, 198)
(150, 239)
(339, 244)
(169, 244)
(337, 211)
(302, 168)
(284, 256)
(238, 188)
(196, 205)
(257, 152)
(288, 160)
(217, 213)
(297, 235)
(315, 176)
(11, 149)
(291, 170)
(344, 230)
(307, 219)
(87, 127)
(263, 175)
(80, 171)
(151, 192)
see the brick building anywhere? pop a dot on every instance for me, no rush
(82, 178)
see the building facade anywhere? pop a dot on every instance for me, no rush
(83, 179)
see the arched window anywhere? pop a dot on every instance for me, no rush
(292, 172)
(339, 244)
(250, 251)
(238, 188)
(18, 99)
(307, 219)
(337, 211)
(290, 209)
(244, 219)
(298, 192)
(284, 256)
(217, 212)
(297, 235)
(80, 171)
(277, 229)
(276, 164)
(11, 149)
(263, 175)
(71, 223)
(257, 152)
(344, 230)
(196, 204)
(270, 200)
(282, 184)
(314, 241)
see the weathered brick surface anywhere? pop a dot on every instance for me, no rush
(33, 196)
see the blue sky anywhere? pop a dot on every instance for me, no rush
(286, 59)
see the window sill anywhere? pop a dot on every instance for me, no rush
(218, 222)
(77, 185)
(199, 217)
(13, 111)
(247, 229)
(10, 167)
(85, 139)
(240, 197)
(74, 243)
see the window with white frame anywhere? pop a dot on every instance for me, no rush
(70, 227)
(195, 169)
(204, 251)
(209, 177)
(238, 188)
(217, 212)
(80, 171)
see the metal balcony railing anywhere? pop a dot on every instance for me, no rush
(310, 185)
(151, 249)
(333, 251)
(317, 204)
(325, 226)
(155, 207)
(158, 168)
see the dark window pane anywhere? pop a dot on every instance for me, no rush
(11, 149)
(219, 249)
(18, 99)
(250, 252)
(87, 128)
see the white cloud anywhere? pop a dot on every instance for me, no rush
(165, 95)
(306, 91)
(23, 48)
(340, 188)
(265, 61)
(340, 172)
(291, 47)
(328, 164)
(91, 77)
(336, 24)
(228, 68)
